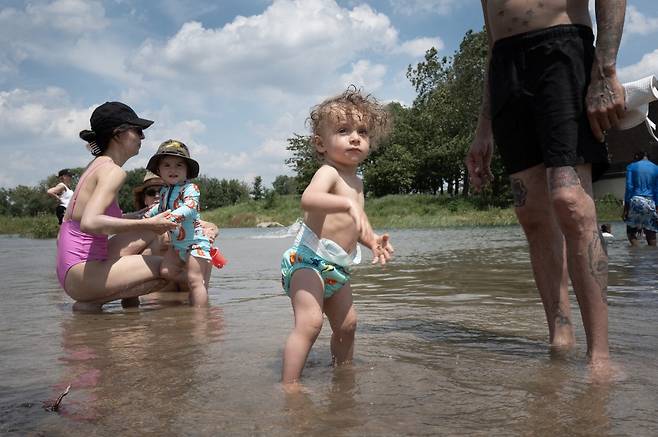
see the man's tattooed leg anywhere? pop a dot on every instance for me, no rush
(519, 192)
(563, 177)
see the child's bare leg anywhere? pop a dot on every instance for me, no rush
(172, 267)
(342, 317)
(306, 297)
(198, 275)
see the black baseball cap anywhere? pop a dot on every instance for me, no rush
(64, 172)
(111, 115)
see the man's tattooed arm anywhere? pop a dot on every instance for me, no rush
(485, 108)
(610, 24)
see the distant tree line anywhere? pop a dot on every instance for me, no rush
(31, 201)
(25, 200)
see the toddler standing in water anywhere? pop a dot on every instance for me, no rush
(191, 248)
(316, 270)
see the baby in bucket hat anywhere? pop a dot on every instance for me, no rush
(190, 257)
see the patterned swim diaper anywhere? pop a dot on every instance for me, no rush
(301, 257)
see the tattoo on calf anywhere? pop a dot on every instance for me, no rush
(563, 177)
(598, 263)
(604, 243)
(561, 319)
(519, 192)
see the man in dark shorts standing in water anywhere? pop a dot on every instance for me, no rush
(550, 96)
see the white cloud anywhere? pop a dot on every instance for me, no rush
(412, 7)
(232, 161)
(293, 44)
(638, 23)
(71, 16)
(44, 113)
(365, 75)
(274, 148)
(417, 47)
(61, 32)
(39, 134)
(648, 65)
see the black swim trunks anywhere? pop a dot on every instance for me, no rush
(538, 81)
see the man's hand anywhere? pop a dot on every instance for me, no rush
(605, 103)
(478, 161)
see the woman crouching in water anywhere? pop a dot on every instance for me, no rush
(92, 270)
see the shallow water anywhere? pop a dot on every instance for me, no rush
(451, 341)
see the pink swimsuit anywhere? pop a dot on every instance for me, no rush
(75, 246)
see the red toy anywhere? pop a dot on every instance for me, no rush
(217, 258)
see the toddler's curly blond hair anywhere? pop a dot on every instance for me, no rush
(353, 103)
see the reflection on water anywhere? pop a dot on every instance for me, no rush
(113, 362)
(451, 341)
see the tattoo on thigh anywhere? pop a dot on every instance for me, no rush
(519, 192)
(598, 263)
(563, 177)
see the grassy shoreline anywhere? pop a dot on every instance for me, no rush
(395, 211)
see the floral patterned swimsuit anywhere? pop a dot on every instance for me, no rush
(183, 201)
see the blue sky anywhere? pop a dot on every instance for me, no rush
(230, 78)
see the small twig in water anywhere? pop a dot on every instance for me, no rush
(55, 405)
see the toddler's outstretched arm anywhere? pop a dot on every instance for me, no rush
(380, 245)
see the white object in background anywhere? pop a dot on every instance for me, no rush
(638, 96)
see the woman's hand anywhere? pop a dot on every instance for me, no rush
(161, 223)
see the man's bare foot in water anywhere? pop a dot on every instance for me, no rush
(604, 371)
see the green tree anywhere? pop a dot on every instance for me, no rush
(271, 197)
(304, 161)
(235, 190)
(446, 109)
(283, 185)
(5, 204)
(257, 191)
(217, 193)
(29, 201)
(389, 171)
(126, 198)
(212, 194)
